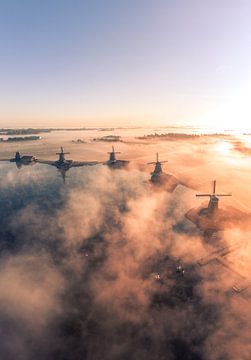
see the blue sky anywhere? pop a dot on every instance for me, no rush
(123, 62)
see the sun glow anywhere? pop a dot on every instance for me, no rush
(224, 147)
(234, 114)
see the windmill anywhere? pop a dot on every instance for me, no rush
(212, 219)
(112, 154)
(158, 168)
(64, 164)
(213, 204)
(113, 163)
(157, 163)
(61, 155)
(21, 160)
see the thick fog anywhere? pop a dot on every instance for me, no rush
(88, 269)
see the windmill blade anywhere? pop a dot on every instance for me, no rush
(214, 187)
(202, 195)
(223, 195)
(63, 177)
(157, 160)
(115, 152)
(154, 162)
(62, 151)
(213, 193)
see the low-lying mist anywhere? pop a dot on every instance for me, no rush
(88, 269)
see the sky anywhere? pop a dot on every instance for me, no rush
(125, 63)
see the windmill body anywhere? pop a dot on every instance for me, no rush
(21, 160)
(113, 163)
(212, 218)
(64, 165)
(161, 179)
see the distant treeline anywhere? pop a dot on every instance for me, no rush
(18, 139)
(28, 131)
(109, 138)
(175, 136)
